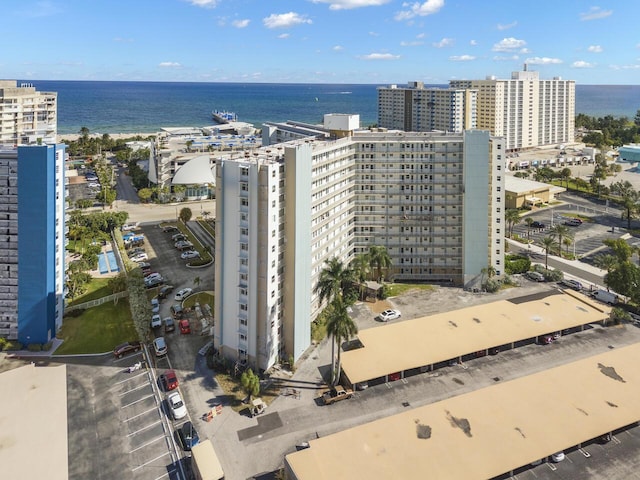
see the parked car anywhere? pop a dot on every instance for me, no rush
(189, 254)
(184, 326)
(558, 457)
(126, 348)
(536, 224)
(144, 265)
(574, 284)
(178, 237)
(129, 226)
(573, 222)
(170, 229)
(135, 251)
(535, 276)
(93, 185)
(165, 291)
(155, 305)
(545, 339)
(182, 294)
(140, 257)
(188, 436)
(153, 275)
(160, 346)
(389, 314)
(169, 325)
(169, 380)
(185, 246)
(177, 406)
(156, 321)
(154, 282)
(177, 311)
(336, 394)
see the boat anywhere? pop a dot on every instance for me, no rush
(224, 116)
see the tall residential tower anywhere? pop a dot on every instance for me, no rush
(27, 117)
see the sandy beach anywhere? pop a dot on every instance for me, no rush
(72, 137)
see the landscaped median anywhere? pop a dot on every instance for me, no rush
(205, 254)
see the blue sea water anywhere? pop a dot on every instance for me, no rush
(145, 107)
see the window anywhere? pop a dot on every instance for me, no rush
(244, 187)
(244, 246)
(244, 202)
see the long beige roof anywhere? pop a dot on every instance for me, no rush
(436, 338)
(487, 432)
(33, 423)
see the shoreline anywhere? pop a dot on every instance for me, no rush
(73, 137)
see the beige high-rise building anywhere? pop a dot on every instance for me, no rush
(435, 201)
(27, 117)
(526, 111)
(415, 108)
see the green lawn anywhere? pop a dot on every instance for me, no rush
(201, 298)
(97, 288)
(396, 289)
(98, 329)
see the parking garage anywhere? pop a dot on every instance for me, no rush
(403, 349)
(486, 433)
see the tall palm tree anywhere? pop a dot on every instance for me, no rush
(333, 279)
(341, 327)
(379, 258)
(606, 262)
(560, 231)
(512, 217)
(547, 243)
(567, 242)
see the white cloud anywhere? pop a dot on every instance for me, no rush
(633, 66)
(241, 23)
(473, 43)
(169, 65)
(418, 9)
(462, 58)
(502, 58)
(507, 26)
(582, 64)
(542, 61)
(413, 43)
(285, 20)
(374, 34)
(380, 56)
(595, 13)
(350, 4)
(338, 48)
(595, 48)
(445, 42)
(204, 3)
(509, 45)
(283, 35)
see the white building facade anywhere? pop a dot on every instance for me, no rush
(27, 117)
(433, 200)
(526, 111)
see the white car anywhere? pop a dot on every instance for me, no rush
(93, 185)
(177, 406)
(389, 315)
(557, 457)
(182, 294)
(140, 257)
(156, 321)
(155, 305)
(189, 254)
(129, 226)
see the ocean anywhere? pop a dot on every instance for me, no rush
(146, 107)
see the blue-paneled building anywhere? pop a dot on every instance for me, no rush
(32, 232)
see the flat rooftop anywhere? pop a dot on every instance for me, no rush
(488, 432)
(33, 423)
(428, 340)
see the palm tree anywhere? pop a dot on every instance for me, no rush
(333, 279)
(565, 174)
(629, 199)
(567, 241)
(512, 217)
(547, 243)
(560, 231)
(341, 327)
(379, 258)
(606, 262)
(361, 268)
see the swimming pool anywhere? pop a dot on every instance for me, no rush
(102, 263)
(113, 263)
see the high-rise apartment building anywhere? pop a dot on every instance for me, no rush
(434, 200)
(32, 235)
(526, 111)
(415, 108)
(27, 117)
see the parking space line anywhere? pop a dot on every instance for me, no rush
(148, 443)
(166, 474)
(144, 385)
(128, 378)
(137, 401)
(151, 461)
(145, 428)
(118, 360)
(140, 414)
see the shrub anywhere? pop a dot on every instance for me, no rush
(47, 346)
(12, 346)
(74, 313)
(384, 291)
(34, 347)
(549, 275)
(492, 285)
(516, 264)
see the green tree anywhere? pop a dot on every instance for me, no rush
(629, 200)
(565, 174)
(621, 249)
(512, 217)
(361, 268)
(144, 194)
(560, 231)
(340, 326)
(605, 262)
(250, 383)
(547, 244)
(636, 119)
(567, 242)
(380, 259)
(333, 280)
(185, 214)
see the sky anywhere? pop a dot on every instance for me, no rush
(319, 41)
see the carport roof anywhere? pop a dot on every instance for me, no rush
(33, 437)
(487, 432)
(436, 338)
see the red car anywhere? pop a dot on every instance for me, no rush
(184, 326)
(169, 380)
